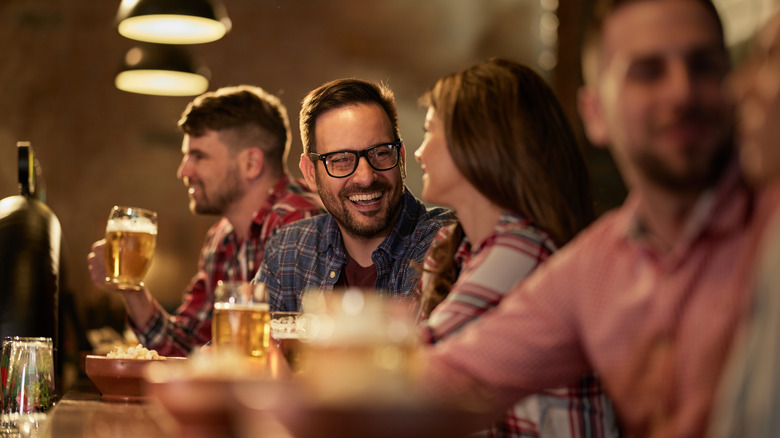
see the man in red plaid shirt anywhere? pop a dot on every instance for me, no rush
(235, 145)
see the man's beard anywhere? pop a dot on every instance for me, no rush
(382, 220)
(227, 193)
(697, 176)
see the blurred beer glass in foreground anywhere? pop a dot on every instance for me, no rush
(362, 348)
(131, 235)
(240, 321)
(288, 330)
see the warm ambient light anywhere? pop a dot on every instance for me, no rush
(163, 71)
(172, 21)
(161, 83)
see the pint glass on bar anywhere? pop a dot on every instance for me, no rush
(131, 235)
(241, 319)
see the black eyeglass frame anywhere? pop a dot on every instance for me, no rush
(397, 144)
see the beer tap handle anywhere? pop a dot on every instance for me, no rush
(25, 164)
(30, 177)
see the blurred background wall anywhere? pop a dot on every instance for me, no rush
(99, 146)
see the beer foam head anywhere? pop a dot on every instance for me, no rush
(289, 327)
(137, 225)
(241, 306)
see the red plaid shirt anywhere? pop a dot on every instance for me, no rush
(223, 257)
(487, 272)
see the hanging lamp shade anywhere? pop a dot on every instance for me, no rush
(173, 21)
(162, 70)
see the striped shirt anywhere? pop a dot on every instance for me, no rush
(513, 250)
(656, 326)
(310, 254)
(224, 258)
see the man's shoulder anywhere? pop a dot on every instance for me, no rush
(306, 229)
(296, 198)
(431, 219)
(219, 229)
(424, 216)
(437, 214)
(295, 239)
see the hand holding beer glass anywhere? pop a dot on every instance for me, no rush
(240, 322)
(131, 235)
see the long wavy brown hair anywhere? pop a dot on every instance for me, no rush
(508, 136)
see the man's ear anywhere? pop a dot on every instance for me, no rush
(592, 114)
(308, 170)
(254, 162)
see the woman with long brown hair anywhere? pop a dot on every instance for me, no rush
(499, 151)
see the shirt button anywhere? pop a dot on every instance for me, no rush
(332, 274)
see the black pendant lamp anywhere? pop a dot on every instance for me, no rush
(173, 21)
(162, 70)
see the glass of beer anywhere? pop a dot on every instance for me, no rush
(288, 330)
(241, 320)
(131, 235)
(361, 346)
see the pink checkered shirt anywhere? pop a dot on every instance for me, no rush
(656, 327)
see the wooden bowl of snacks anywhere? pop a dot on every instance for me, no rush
(119, 375)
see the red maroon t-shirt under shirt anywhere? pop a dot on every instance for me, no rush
(355, 275)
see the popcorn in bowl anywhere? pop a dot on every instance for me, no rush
(135, 352)
(119, 375)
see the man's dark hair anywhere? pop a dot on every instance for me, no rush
(602, 10)
(245, 116)
(341, 93)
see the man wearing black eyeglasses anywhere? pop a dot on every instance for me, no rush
(353, 156)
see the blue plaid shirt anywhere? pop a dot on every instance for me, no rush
(310, 254)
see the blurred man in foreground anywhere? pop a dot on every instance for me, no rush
(650, 295)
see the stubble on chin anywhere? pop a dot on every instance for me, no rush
(374, 222)
(696, 173)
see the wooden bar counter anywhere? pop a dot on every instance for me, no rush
(82, 414)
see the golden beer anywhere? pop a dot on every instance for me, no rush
(351, 372)
(361, 346)
(242, 327)
(130, 243)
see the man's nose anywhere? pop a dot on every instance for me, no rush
(183, 170)
(679, 82)
(364, 171)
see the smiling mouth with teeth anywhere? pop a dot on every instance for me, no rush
(360, 198)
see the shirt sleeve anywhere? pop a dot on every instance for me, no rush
(528, 343)
(189, 327)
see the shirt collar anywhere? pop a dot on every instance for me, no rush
(274, 194)
(395, 243)
(721, 209)
(506, 220)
